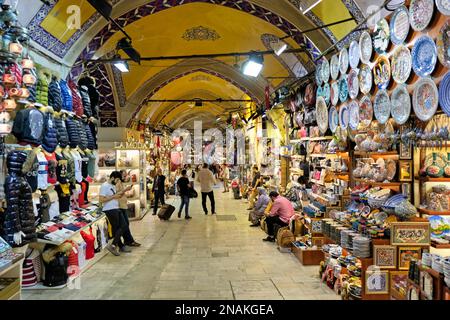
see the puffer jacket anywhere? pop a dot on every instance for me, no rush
(54, 95)
(76, 99)
(94, 95)
(42, 89)
(33, 93)
(50, 141)
(61, 131)
(93, 127)
(19, 215)
(83, 136)
(29, 126)
(90, 138)
(73, 130)
(84, 93)
(66, 96)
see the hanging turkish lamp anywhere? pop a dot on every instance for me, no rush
(16, 48)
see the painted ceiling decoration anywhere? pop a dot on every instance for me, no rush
(200, 77)
(201, 33)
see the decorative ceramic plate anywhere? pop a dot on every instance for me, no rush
(333, 119)
(382, 106)
(353, 114)
(334, 67)
(326, 92)
(334, 93)
(381, 36)
(353, 54)
(399, 25)
(365, 79)
(343, 88)
(420, 13)
(365, 112)
(319, 79)
(365, 47)
(444, 94)
(424, 56)
(344, 116)
(382, 72)
(319, 92)
(443, 7)
(343, 61)
(400, 104)
(309, 99)
(425, 99)
(353, 84)
(325, 70)
(401, 64)
(443, 44)
(322, 114)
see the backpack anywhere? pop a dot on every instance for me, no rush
(285, 237)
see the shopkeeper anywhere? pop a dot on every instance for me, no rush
(280, 213)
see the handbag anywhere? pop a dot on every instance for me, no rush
(192, 193)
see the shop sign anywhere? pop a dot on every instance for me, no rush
(410, 233)
(131, 145)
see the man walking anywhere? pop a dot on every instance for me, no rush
(206, 179)
(280, 213)
(109, 198)
(183, 185)
(159, 189)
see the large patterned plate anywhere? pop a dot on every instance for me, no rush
(401, 64)
(424, 56)
(353, 114)
(365, 79)
(334, 93)
(344, 116)
(365, 112)
(353, 84)
(400, 104)
(333, 119)
(334, 67)
(444, 93)
(322, 114)
(425, 99)
(319, 79)
(382, 72)
(326, 92)
(381, 36)
(420, 13)
(382, 106)
(443, 7)
(343, 88)
(353, 54)
(343, 60)
(325, 70)
(319, 93)
(399, 25)
(443, 44)
(365, 47)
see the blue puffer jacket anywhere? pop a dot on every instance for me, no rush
(63, 136)
(29, 126)
(66, 95)
(54, 95)
(91, 141)
(73, 131)
(50, 141)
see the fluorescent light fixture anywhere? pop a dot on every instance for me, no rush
(218, 119)
(253, 66)
(308, 4)
(279, 47)
(122, 65)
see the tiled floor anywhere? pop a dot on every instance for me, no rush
(204, 258)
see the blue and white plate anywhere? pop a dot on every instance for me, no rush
(443, 7)
(333, 119)
(443, 44)
(334, 93)
(325, 70)
(319, 79)
(381, 36)
(334, 67)
(425, 99)
(344, 116)
(382, 106)
(395, 200)
(319, 92)
(353, 84)
(343, 88)
(401, 104)
(343, 60)
(444, 94)
(424, 56)
(326, 92)
(353, 114)
(353, 54)
(399, 25)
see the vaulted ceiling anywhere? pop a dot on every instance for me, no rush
(188, 27)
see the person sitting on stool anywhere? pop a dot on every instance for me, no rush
(281, 213)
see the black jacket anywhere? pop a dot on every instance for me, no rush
(29, 126)
(19, 215)
(50, 141)
(83, 136)
(94, 95)
(54, 95)
(73, 131)
(84, 93)
(61, 130)
(90, 138)
(160, 181)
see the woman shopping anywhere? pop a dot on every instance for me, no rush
(260, 206)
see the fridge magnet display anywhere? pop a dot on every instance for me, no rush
(385, 256)
(406, 255)
(410, 233)
(377, 282)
